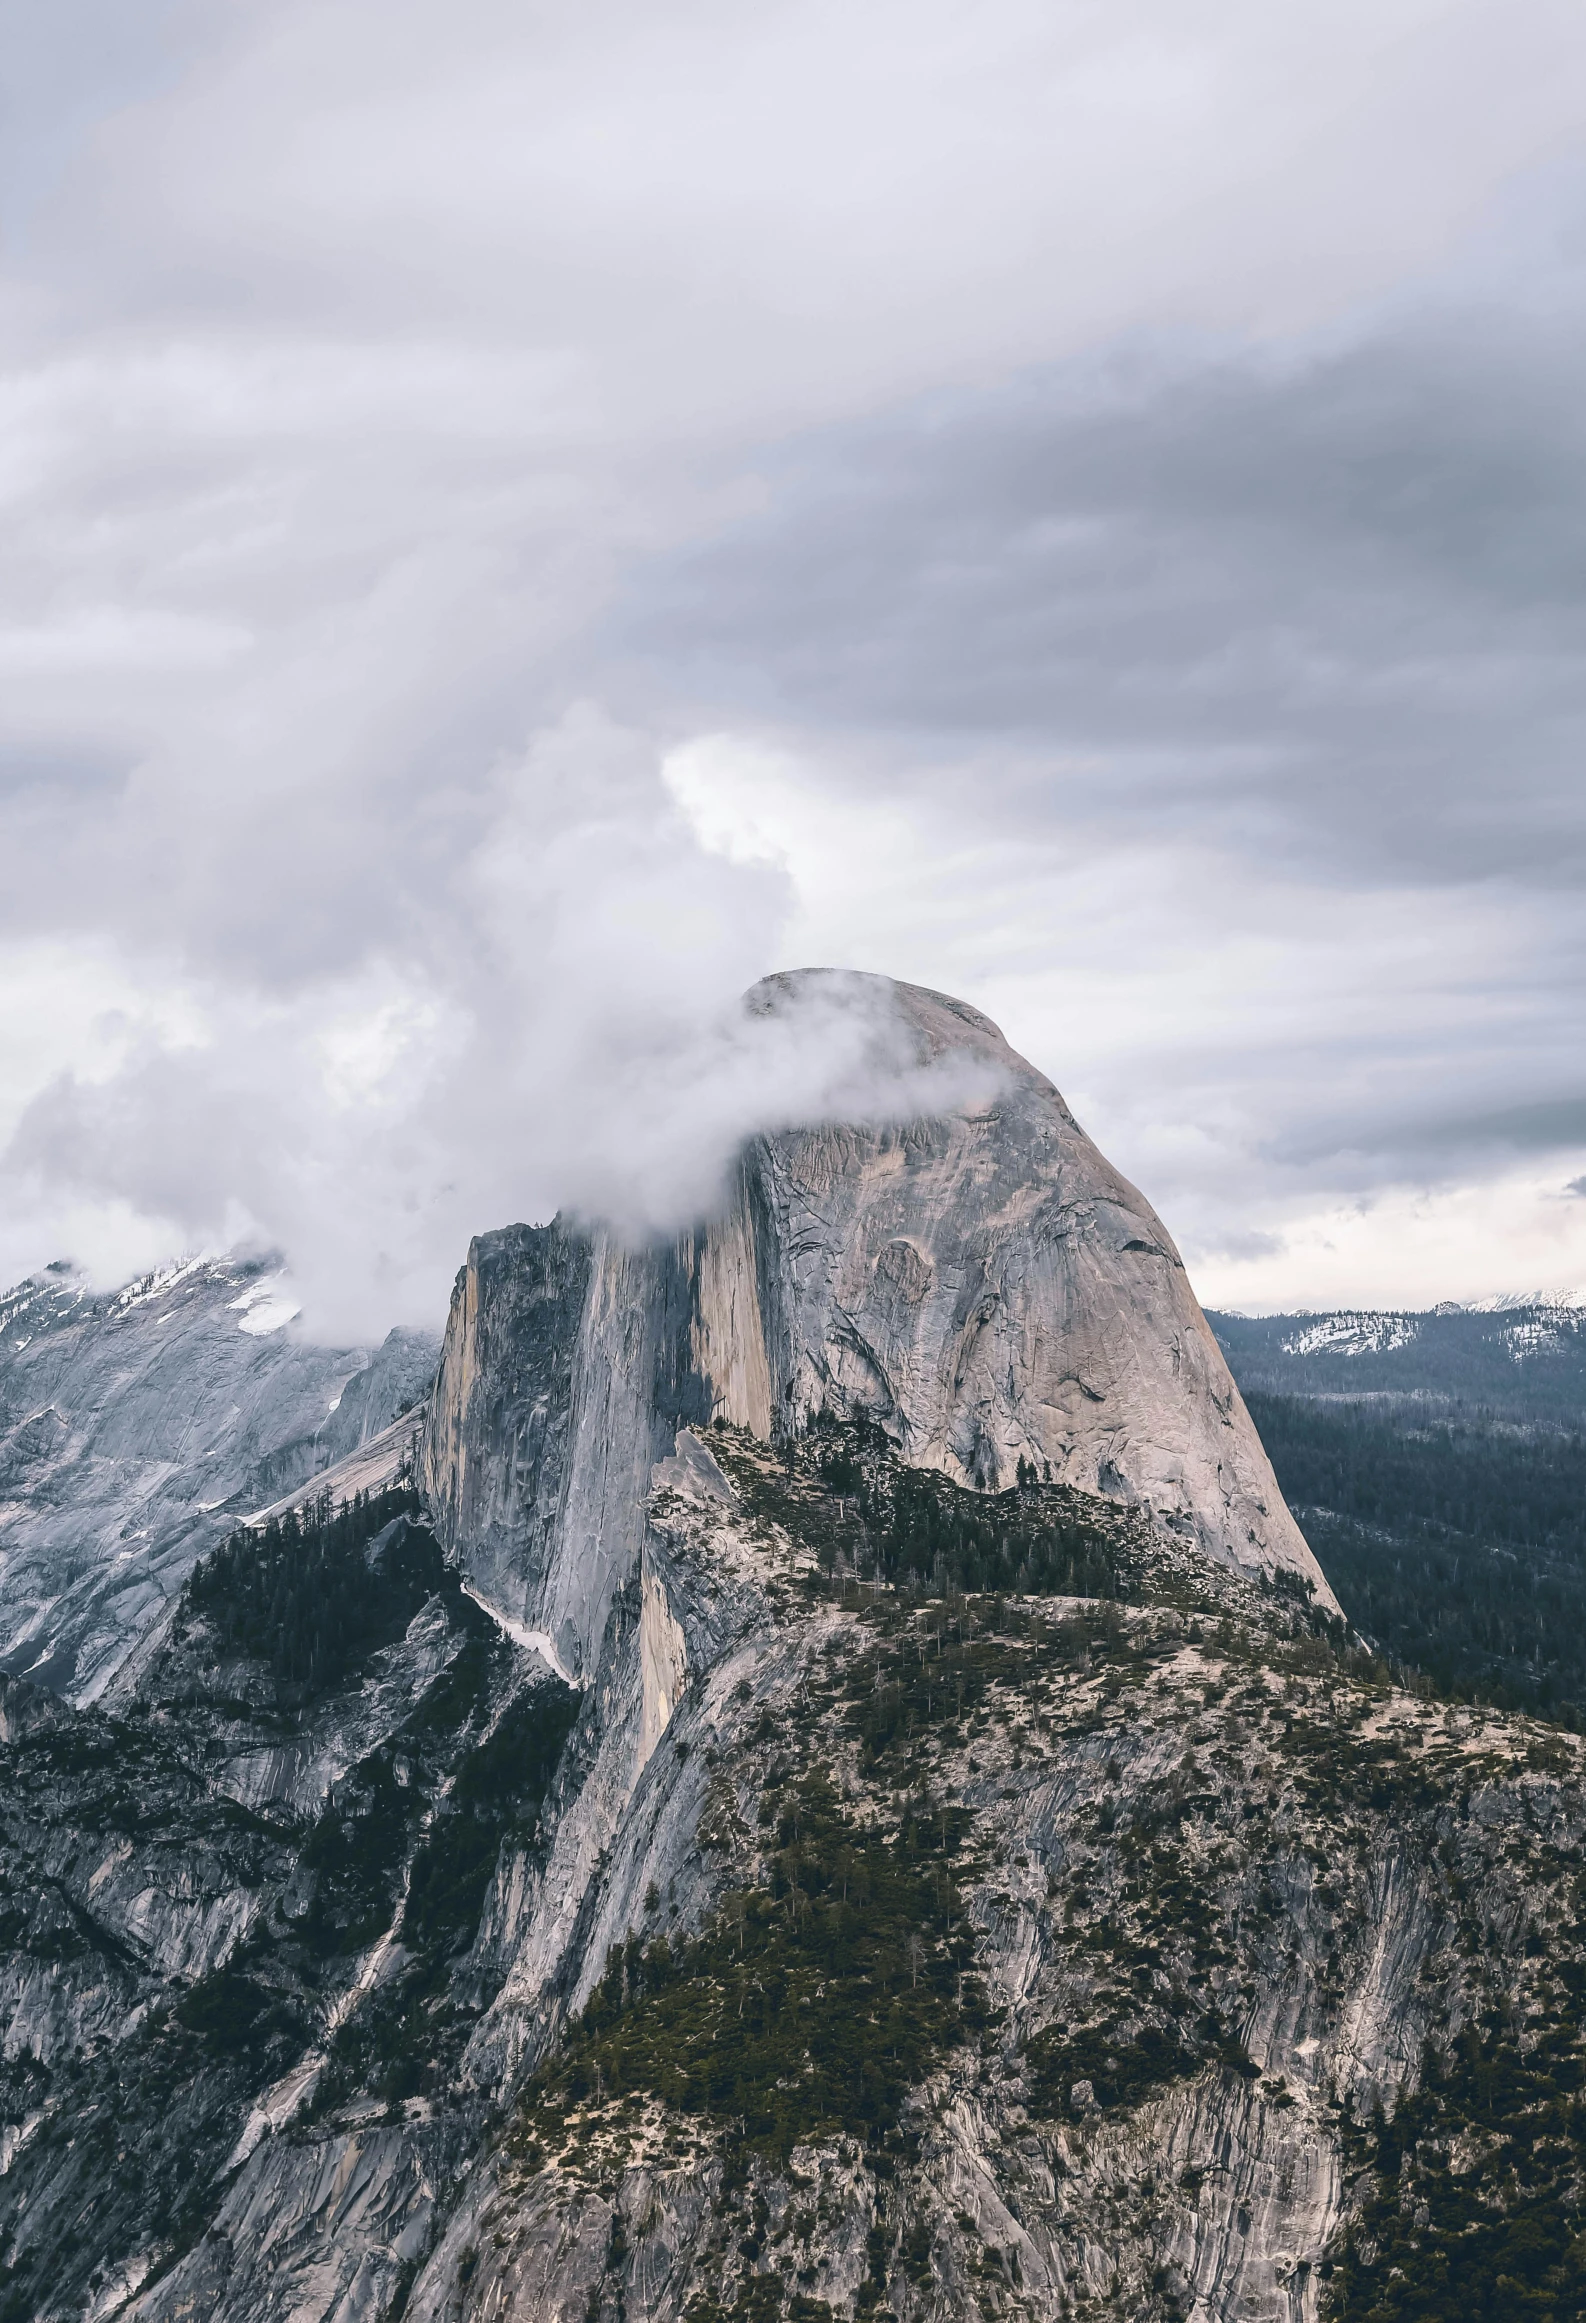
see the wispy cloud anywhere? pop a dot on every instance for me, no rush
(516, 524)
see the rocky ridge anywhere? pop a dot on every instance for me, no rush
(136, 1427)
(977, 1875)
(1166, 1897)
(942, 1905)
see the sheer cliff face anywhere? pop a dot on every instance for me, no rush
(983, 1282)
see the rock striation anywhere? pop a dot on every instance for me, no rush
(865, 1950)
(1224, 1899)
(137, 1426)
(982, 1282)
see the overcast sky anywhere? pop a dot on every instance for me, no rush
(518, 520)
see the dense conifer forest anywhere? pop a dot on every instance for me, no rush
(1458, 1547)
(296, 1594)
(1438, 1466)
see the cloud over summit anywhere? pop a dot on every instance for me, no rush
(517, 524)
(567, 1031)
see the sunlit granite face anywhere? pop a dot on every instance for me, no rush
(982, 1282)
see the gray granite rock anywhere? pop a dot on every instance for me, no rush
(983, 1282)
(1179, 1803)
(1364, 1871)
(137, 1428)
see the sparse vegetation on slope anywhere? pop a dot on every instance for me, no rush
(1476, 2208)
(1110, 1848)
(846, 1498)
(1016, 1964)
(125, 2133)
(820, 1996)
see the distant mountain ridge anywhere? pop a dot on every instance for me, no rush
(137, 1427)
(1521, 1359)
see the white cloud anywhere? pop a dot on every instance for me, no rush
(1312, 1084)
(566, 1032)
(1411, 1246)
(357, 363)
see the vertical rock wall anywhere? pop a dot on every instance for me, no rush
(497, 1434)
(983, 1281)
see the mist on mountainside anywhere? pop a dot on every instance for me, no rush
(536, 1070)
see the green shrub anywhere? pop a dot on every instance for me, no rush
(811, 2005)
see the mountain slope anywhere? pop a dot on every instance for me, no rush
(135, 1429)
(1045, 1958)
(977, 1875)
(197, 1881)
(877, 1946)
(981, 1281)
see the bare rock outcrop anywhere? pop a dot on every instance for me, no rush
(138, 1426)
(932, 1906)
(982, 1281)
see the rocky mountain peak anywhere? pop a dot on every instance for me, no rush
(976, 1278)
(961, 1868)
(138, 1425)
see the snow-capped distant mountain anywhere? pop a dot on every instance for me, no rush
(1505, 1302)
(1353, 1334)
(1522, 1358)
(137, 1427)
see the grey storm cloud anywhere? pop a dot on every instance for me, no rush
(1547, 1127)
(1334, 593)
(1318, 606)
(1136, 451)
